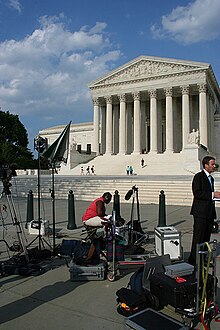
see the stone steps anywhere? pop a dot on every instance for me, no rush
(154, 164)
(177, 191)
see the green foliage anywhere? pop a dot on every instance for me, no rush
(14, 142)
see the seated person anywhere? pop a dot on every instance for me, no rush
(95, 215)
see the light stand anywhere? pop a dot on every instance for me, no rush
(39, 145)
(57, 153)
(52, 190)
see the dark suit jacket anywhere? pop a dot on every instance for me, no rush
(203, 205)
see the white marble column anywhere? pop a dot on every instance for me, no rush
(203, 115)
(137, 126)
(122, 124)
(147, 126)
(103, 129)
(153, 121)
(177, 127)
(143, 126)
(129, 128)
(185, 115)
(211, 128)
(169, 119)
(115, 109)
(96, 120)
(109, 137)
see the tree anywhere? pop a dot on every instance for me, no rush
(14, 142)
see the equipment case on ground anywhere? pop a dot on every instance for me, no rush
(168, 241)
(179, 269)
(149, 319)
(33, 227)
(169, 292)
(87, 273)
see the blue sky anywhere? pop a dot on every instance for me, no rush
(50, 50)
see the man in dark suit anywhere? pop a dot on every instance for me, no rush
(203, 206)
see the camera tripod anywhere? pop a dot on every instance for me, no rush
(19, 230)
(136, 234)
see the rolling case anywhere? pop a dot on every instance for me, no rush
(169, 292)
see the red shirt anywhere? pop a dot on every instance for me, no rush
(91, 211)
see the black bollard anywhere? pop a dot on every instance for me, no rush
(116, 205)
(71, 211)
(30, 208)
(162, 210)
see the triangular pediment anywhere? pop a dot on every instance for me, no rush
(145, 67)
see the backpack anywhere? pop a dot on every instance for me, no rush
(132, 299)
(135, 283)
(129, 302)
(82, 253)
(137, 295)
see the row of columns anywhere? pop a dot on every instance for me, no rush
(153, 120)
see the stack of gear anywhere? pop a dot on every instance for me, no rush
(177, 292)
(85, 263)
(137, 296)
(160, 283)
(80, 253)
(115, 245)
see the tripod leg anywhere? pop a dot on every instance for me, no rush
(17, 224)
(3, 223)
(131, 229)
(138, 206)
(112, 274)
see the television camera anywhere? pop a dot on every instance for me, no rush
(6, 174)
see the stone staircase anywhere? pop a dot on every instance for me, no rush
(154, 164)
(177, 189)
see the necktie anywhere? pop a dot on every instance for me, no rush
(210, 180)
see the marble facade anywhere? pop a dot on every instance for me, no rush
(155, 105)
(162, 108)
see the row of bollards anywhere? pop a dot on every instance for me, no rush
(162, 208)
(71, 209)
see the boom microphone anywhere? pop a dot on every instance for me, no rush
(129, 194)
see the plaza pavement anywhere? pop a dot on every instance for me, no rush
(51, 300)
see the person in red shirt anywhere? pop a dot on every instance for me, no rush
(95, 214)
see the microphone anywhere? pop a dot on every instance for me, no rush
(129, 194)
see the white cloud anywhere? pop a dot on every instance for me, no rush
(98, 28)
(46, 74)
(15, 4)
(198, 21)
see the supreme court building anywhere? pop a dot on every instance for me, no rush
(156, 106)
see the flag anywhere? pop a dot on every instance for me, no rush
(58, 151)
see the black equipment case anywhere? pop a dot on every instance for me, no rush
(87, 273)
(149, 319)
(170, 292)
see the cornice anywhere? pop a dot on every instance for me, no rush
(172, 77)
